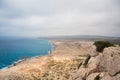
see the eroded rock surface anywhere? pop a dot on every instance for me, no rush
(110, 60)
(105, 66)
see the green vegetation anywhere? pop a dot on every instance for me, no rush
(100, 45)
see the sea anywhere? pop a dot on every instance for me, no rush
(13, 50)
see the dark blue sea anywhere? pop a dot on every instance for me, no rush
(15, 49)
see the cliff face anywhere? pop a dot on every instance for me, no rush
(71, 60)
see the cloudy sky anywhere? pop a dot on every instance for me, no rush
(36, 18)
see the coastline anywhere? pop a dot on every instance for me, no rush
(23, 60)
(68, 61)
(65, 54)
(54, 52)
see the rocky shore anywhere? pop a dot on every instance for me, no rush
(70, 60)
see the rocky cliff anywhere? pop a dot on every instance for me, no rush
(105, 66)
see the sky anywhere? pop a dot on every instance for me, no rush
(36, 18)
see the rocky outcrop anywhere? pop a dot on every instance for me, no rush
(110, 60)
(105, 66)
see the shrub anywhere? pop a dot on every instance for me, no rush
(100, 45)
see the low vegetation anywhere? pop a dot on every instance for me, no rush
(60, 70)
(100, 45)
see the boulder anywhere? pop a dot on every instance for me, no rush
(110, 60)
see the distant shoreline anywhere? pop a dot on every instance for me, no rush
(22, 60)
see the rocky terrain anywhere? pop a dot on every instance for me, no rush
(70, 60)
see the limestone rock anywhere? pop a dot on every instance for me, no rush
(80, 78)
(93, 65)
(110, 60)
(92, 76)
(108, 77)
(106, 64)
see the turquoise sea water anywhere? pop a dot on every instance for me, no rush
(12, 50)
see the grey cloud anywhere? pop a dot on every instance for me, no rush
(59, 17)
